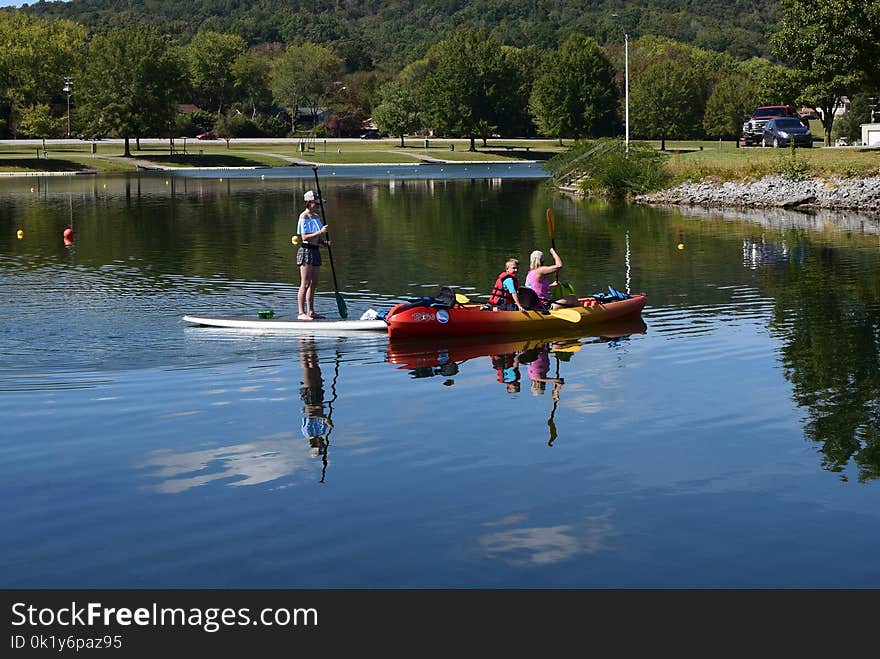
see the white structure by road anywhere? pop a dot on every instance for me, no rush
(871, 134)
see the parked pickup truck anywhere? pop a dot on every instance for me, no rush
(753, 127)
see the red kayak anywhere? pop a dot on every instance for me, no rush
(426, 318)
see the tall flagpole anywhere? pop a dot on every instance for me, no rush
(626, 83)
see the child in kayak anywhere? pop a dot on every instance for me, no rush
(538, 280)
(507, 370)
(504, 293)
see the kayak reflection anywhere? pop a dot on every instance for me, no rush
(428, 358)
(435, 356)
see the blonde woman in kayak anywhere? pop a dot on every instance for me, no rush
(539, 281)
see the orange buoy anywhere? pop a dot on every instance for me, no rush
(68, 234)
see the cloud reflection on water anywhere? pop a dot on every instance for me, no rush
(250, 463)
(549, 544)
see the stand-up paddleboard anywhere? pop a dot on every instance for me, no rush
(278, 324)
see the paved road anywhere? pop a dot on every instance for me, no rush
(236, 140)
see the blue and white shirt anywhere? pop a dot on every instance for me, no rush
(308, 223)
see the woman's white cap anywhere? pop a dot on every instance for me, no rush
(311, 196)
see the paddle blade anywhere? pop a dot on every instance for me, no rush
(570, 347)
(340, 304)
(551, 223)
(562, 289)
(462, 299)
(570, 315)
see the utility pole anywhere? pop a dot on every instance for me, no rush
(68, 89)
(626, 84)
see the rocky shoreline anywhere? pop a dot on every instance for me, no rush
(862, 194)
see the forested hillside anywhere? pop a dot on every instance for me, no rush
(388, 34)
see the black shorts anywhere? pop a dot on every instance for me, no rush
(308, 256)
(313, 395)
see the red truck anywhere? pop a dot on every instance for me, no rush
(753, 127)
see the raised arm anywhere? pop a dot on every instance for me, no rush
(546, 270)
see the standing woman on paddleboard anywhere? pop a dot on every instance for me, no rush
(538, 279)
(311, 230)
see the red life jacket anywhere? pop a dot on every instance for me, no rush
(499, 295)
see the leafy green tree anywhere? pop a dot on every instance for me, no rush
(224, 127)
(732, 98)
(389, 33)
(358, 91)
(131, 83)
(574, 93)
(398, 113)
(302, 78)
(525, 62)
(250, 73)
(775, 84)
(211, 57)
(37, 121)
(834, 44)
(472, 85)
(665, 102)
(35, 55)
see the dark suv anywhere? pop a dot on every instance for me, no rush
(753, 127)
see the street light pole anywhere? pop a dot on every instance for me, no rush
(68, 89)
(626, 83)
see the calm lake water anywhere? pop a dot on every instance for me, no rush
(731, 439)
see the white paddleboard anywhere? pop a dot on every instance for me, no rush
(275, 324)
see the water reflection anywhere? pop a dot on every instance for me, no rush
(544, 545)
(248, 463)
(830, 329)
(444, 357)
(762, 252)
(317, 422)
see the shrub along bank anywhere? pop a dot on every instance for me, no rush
(715, 175)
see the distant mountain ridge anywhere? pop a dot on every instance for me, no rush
(390, 33)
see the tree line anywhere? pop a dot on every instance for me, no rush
(129, 82)
(388, 34)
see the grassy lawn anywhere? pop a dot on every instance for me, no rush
(209, 159)
(32, 164)
(77, 156)
(730, 163)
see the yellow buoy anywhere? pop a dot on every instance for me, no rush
(294, 239)
(19, 234)
(680, 245)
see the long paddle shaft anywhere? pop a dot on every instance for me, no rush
(551, 228)
(340, 303)
(550, 422)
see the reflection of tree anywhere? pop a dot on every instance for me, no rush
(831, 329)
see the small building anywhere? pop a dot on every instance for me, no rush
(870, 134)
